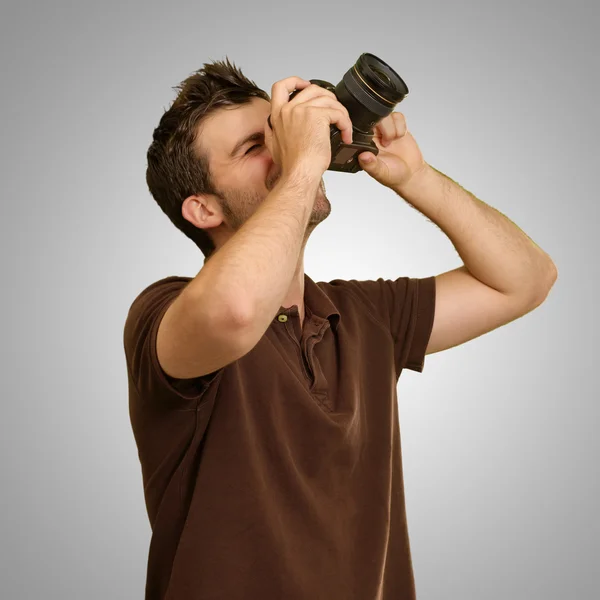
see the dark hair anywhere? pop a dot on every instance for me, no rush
(176, 168)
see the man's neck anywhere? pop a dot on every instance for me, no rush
(295, 293)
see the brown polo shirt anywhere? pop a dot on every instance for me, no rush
(280, 475)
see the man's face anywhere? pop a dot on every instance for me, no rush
(242, 169)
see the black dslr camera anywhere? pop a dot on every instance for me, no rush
(369, 90)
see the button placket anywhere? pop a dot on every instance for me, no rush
(318, 377)
(305, 349)
(287, 323)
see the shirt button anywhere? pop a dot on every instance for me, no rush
(282, 318)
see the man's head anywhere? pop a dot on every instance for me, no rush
(208, 166)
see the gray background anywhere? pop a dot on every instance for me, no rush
(499, 435)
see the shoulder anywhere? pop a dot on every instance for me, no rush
(160, 288)
(149, 302)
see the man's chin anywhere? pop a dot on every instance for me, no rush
(321, 207)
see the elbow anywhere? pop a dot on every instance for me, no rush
(232, 310)
(234, 315)
(545, 284)
(224, 312)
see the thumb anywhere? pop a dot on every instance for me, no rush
(369, 162)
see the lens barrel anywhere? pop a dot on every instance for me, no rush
(370, 90)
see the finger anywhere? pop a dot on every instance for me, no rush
(387, 130)
(339, 119)
(312, 91)
(401, 127)
(310, 94)
(269, 138)
(281, 90)
(325, 101)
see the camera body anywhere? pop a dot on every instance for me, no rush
(344, 157)
(369, 90)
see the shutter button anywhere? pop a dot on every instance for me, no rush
(282, 318)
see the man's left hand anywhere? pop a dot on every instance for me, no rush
(399, 158)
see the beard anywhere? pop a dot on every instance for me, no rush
(239, 205)
(321, 207)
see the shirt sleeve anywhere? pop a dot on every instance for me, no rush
(406, 305)
(139, 337)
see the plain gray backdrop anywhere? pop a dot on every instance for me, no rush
(499, 435)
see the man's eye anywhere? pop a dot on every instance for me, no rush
(252, 148)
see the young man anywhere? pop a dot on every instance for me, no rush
(264, 404)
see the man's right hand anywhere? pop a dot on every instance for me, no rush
(299, 140)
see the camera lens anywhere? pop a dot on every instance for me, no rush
(370, 90)
(382, 76)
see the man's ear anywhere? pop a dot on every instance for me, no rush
(202, 210)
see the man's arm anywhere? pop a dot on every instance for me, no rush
(209, 324)
(466, 308)
(505, 274)
(226, 308)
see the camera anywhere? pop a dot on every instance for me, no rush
(369, 90)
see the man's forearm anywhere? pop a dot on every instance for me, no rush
(251, 273)
(492, 247)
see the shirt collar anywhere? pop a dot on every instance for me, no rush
(320, 303)
(317, 302)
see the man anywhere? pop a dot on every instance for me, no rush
(264, 404)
